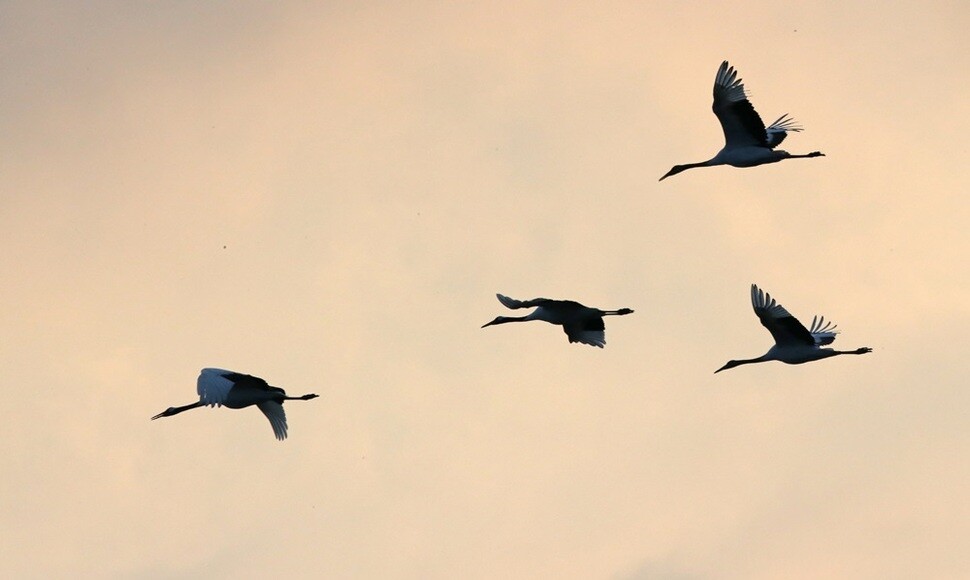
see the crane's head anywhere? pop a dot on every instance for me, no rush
(499, 320)
(730, 365)
(675, 170)
(166, 413)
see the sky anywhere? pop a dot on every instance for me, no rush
(329, 196)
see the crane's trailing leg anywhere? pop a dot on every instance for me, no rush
(303, 398)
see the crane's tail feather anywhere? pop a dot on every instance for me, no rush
(823, 332)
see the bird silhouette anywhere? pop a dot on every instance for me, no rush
(746, 140)
(794, 344)
(222, 388)
(581, 323)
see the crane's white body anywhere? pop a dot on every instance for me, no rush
(581, 323)
(794, 344)
(217, 389)
(222, 388)
(747, 142)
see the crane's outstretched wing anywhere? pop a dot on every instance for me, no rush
(741, 124)
(777, 131)
(276, 415)
(823, 333)
(784, 328)
(515, 304)
(591, 331)
(213, 386)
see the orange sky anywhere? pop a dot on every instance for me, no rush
(330, 197)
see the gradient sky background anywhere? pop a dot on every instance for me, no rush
(329, 196)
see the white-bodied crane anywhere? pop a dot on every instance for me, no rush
(794, 344)
(222, 388)
(581, 323)
(746, 140)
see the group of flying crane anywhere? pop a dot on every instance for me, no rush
(747, 143)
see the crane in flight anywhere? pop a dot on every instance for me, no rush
(581, 323)
(222, 388)
(746, 140)
(794, 344)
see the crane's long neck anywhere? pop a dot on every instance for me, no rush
(504, 319)
(678, 168)
(736, 363)
(176, 410)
